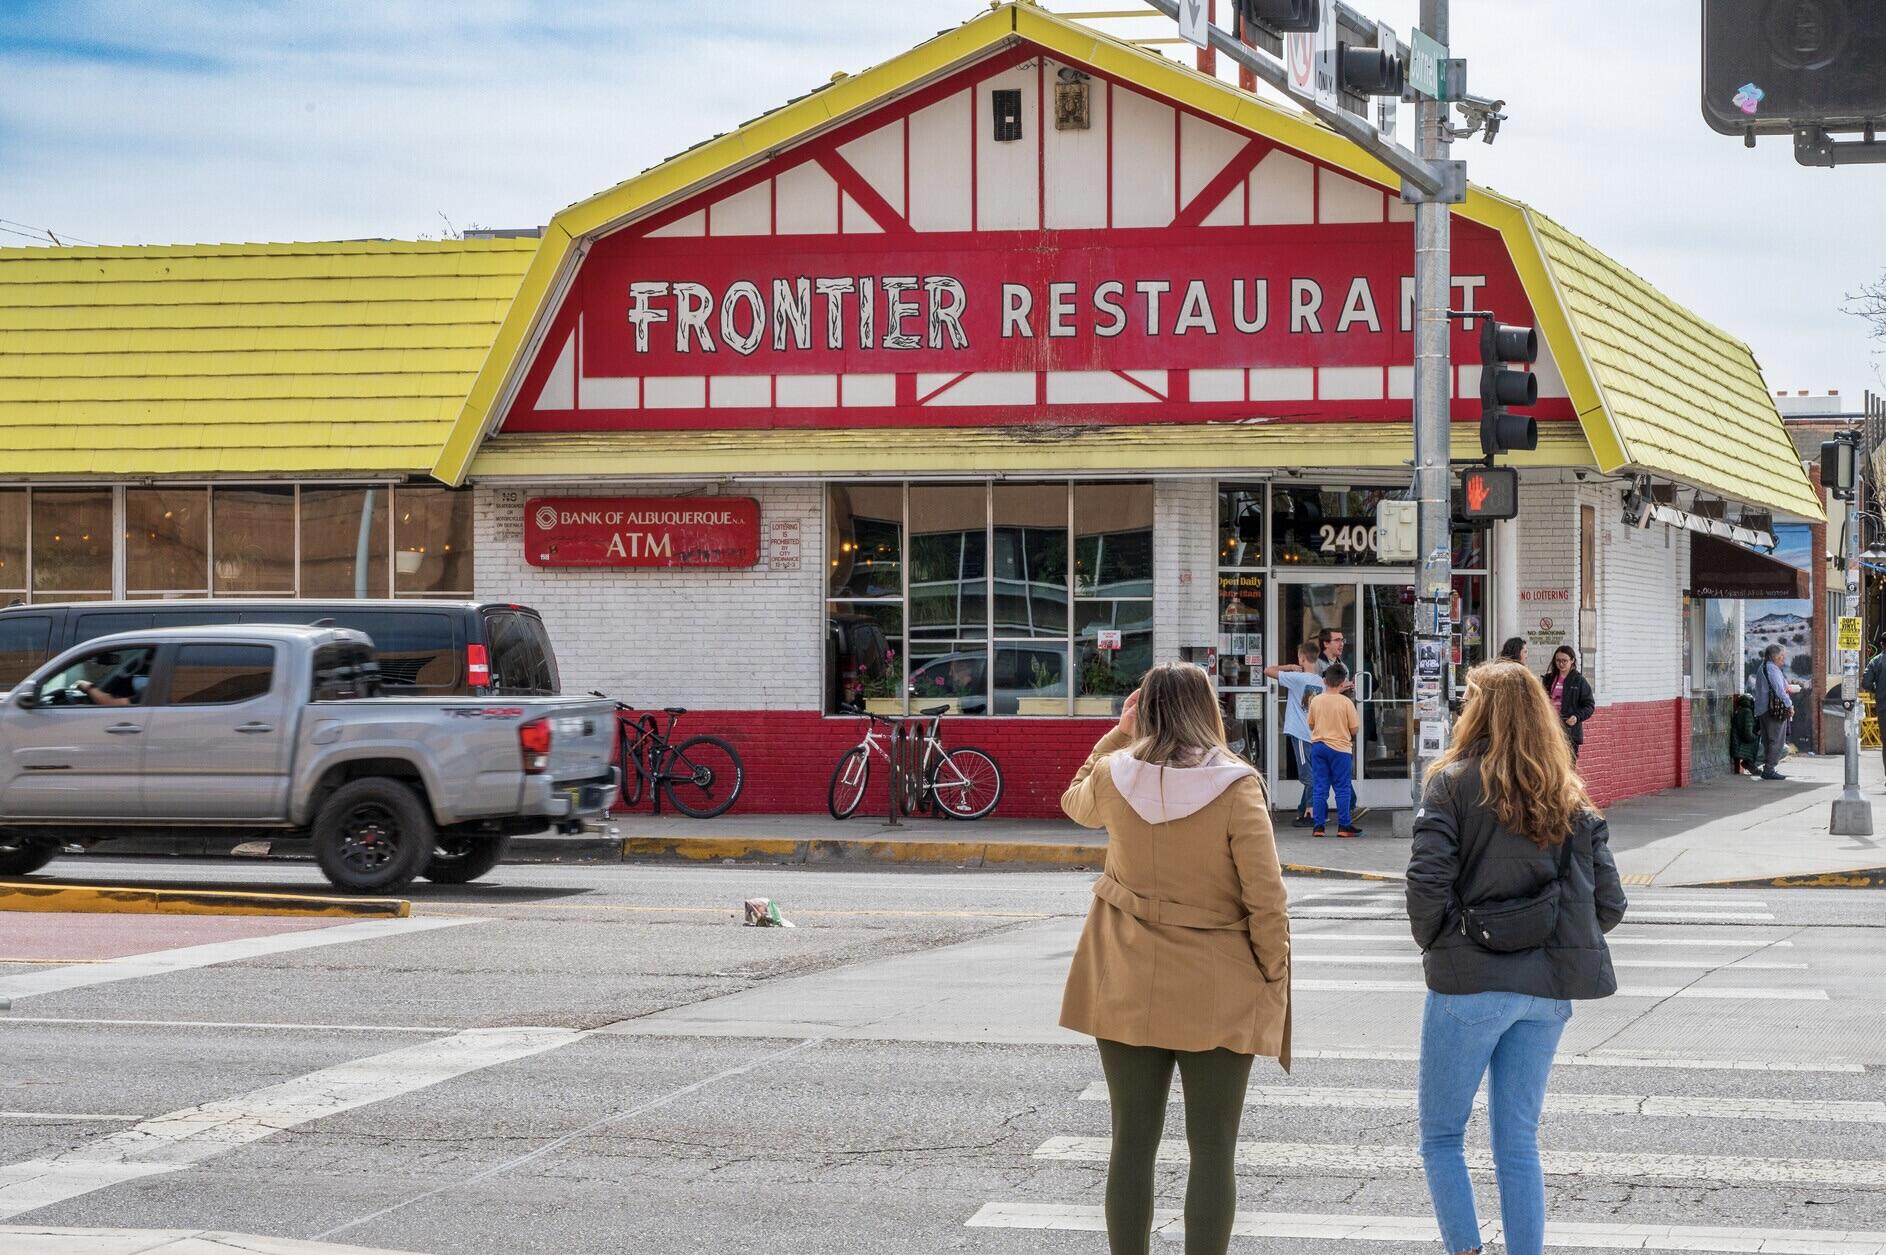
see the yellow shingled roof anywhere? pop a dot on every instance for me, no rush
(1685, 398)
(194, 360)
(1716, 429)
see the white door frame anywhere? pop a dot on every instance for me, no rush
(1392, 792)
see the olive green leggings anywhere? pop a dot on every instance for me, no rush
(1139, 1085)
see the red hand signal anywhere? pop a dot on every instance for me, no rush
(1477, 491)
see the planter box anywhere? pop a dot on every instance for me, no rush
(1097, 705)
(884, 705)
(1041, 705)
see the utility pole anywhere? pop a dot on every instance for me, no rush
(1433, 440)
(1852, 814)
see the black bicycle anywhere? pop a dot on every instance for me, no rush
(700, 776)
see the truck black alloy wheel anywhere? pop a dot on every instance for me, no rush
(702, 776)
(20, 855)
(461, 860)
(373, 836)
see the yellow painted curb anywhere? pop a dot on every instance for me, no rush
(1859, 878)
(713, 849)
(112, 900)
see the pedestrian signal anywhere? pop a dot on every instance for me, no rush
(1501, 347)
(1489, 492)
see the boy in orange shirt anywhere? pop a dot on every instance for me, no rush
(1334, 723)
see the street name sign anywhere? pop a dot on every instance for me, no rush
(1427, 66)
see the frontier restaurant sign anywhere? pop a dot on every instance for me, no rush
(642, 531)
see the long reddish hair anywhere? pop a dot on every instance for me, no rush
(1526, 771)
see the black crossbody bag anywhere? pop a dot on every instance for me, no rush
(1510, 925)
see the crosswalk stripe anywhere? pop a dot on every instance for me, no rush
(1607, 1060)
(1713, 992)
(1401, 938)
(1379, 898)
(1827, 1111)
(1687, 916)
(1353, 1161)
(1585, 1236)
(1390, 960)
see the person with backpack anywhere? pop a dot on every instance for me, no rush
(1185, 958)
(1511, 890)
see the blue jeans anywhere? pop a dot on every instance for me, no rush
(1463, 1037)
(1327, 767)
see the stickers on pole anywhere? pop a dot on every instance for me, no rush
(1849, 632)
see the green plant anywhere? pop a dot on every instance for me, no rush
(1039, 677)
(1100, 678)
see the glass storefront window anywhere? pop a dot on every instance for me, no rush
(253, 539)
(963, 595)
(1241, 629)
(432, 542)
(1030, 560)
(166, 541)
(1113, 540)
(343, 542)
(14, 512)
(864, 657)
(864, 537)
(1241, 525)
(1325, 526)
(949, 564)
(72, 549)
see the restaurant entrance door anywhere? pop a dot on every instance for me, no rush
(1374, 612)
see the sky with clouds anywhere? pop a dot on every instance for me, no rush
(160, 121)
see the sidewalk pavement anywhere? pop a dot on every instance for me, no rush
(1732, 829)
(35, 1240)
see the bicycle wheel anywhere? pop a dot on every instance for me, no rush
(916, 785)
(702, 776)
(848, 783)
(966, 784)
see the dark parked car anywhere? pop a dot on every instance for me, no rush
(426, 648)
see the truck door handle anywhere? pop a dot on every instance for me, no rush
(255, 727)
(124, 729)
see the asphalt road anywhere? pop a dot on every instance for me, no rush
(599, 1059)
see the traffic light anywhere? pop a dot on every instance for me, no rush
(1489, 492)
(1837, 468)
(1501, 346)
(1769, 67)
(1372, 71)
(1281, 17)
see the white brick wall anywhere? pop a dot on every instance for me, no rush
(1185, 567)
(1637, 645)
(710, 640)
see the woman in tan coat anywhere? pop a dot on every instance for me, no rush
(1185, 959)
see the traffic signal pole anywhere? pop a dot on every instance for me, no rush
(1433, 444)
(1852, 814)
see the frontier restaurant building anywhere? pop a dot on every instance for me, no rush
(984, 378)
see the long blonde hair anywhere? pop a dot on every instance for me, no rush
(1526, 772)
(1177, 722)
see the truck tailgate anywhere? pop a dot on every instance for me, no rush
(582, 737)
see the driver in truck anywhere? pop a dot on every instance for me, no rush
(122, 687)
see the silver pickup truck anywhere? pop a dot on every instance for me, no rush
(281, 731)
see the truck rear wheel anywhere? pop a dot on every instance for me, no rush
(20, 855)
(372, 836)
(461, 860)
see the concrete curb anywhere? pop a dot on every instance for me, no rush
(1859, 878)
(890, 851)
(107, 900)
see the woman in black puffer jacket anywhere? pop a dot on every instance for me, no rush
(1511, 889)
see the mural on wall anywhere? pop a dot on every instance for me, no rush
(1790, 623)
(913, 267)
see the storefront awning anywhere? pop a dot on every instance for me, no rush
(1729, 572)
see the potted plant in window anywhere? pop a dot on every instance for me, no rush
(1104, 686)
(879, 687)
(1047, 695)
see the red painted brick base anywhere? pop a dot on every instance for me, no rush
(1630, 749)
(789, 756)
(1636, 747)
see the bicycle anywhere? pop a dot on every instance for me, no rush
(963, 783)
(701, 777)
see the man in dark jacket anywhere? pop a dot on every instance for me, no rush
(1462, 854)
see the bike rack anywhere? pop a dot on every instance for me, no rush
(899, 748)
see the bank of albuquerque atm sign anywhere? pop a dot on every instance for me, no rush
(642, 531)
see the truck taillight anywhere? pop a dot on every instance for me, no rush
(533, 739)
(477, 666)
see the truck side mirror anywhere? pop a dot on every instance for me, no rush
(28, 699)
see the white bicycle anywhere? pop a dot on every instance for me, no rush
(962, 783)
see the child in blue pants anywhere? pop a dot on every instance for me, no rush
(1334, 723)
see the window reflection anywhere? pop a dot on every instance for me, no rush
(166, 540)
(864, 538)
(72, 541)
(343, 542)
(13, 516)
(254, 540)
(432, 542)
(949, 551)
